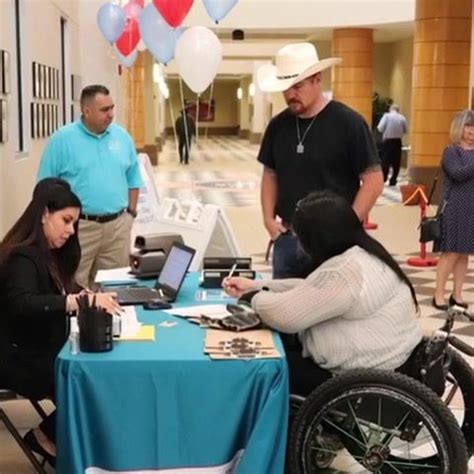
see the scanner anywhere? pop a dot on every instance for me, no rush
(150, 254)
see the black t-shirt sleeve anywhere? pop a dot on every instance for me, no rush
(363, 151)
(265, 154)
(23, 293)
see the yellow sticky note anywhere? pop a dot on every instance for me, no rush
(145, 333)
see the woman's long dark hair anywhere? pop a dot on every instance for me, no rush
(52, 194)
(326, 226)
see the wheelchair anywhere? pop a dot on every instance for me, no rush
(369, 420)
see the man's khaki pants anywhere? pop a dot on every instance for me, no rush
(104, 246)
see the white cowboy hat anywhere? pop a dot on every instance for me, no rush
(293, 63)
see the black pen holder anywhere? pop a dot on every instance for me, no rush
(95, 330)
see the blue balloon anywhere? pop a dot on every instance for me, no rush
(218, 9)
(159, 37)
(111, 20)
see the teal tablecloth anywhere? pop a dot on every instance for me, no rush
(165, 404)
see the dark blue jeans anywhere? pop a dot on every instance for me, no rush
(289, 259)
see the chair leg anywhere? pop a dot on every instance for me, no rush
(39, 409)
(14, 432)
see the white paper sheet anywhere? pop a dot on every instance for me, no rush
(115, 275)
(130, 324)
(216, 311)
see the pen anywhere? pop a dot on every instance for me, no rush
(232, 270)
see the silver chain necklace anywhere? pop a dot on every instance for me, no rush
(300, 146)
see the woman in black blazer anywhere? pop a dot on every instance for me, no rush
(38, 259)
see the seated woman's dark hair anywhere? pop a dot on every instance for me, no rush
(326, 226)
(53, 194)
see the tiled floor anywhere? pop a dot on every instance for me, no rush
(224, 171)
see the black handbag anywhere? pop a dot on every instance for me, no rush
(430, 227)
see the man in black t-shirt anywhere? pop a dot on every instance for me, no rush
(314, 144)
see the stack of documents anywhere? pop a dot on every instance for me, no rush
(132, 330)
(257, 344)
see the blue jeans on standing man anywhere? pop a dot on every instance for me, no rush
(289, 258)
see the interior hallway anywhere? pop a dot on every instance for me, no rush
(224, 171)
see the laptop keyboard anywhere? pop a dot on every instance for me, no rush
(137, 294)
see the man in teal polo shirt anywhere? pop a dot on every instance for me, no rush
(99, 160)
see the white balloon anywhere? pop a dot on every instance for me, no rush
(198, 55)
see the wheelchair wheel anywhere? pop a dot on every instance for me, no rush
(459, 395)
(379, 421)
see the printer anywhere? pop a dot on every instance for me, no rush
(150, 254)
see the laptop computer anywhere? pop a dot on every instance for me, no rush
(167, 284)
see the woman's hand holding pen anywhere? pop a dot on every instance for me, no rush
(237, 286)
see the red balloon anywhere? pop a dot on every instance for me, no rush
(130, 37)
(139, 2)
(131, 34)
(173, 11)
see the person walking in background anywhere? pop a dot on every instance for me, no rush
(457, 211)
(99, 160)
(315, 144)
(185, 130)
(393, 126)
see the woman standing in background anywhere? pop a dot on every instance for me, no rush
(457, 211)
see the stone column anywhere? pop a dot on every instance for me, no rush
(244, 122)
(352, 80)
(258, 106)
(138, 105)
(441, 67)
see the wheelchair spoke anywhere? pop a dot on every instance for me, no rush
(392, 435)
(379, 412)
(330, 423)
(359, 427)
(393, 467)
(411, 465)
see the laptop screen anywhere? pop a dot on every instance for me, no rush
(175, 267)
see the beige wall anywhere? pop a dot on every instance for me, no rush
(382, 68)
(87, 55)
(401, 76)
(224, 94)
(393, 64)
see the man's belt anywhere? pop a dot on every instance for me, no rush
(102, 218)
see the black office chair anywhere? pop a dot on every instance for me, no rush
(9, 395)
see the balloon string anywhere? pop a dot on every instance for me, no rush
(174, 126)
(212, 90)
(184, 116)
(197, 118)
(209, 107)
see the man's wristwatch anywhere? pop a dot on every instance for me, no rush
(132, 212)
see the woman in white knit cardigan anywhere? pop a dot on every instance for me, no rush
(357, 309)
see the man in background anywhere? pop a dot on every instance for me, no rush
(99, 160)
(315, 144)
(185, 130)
(393, 126)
